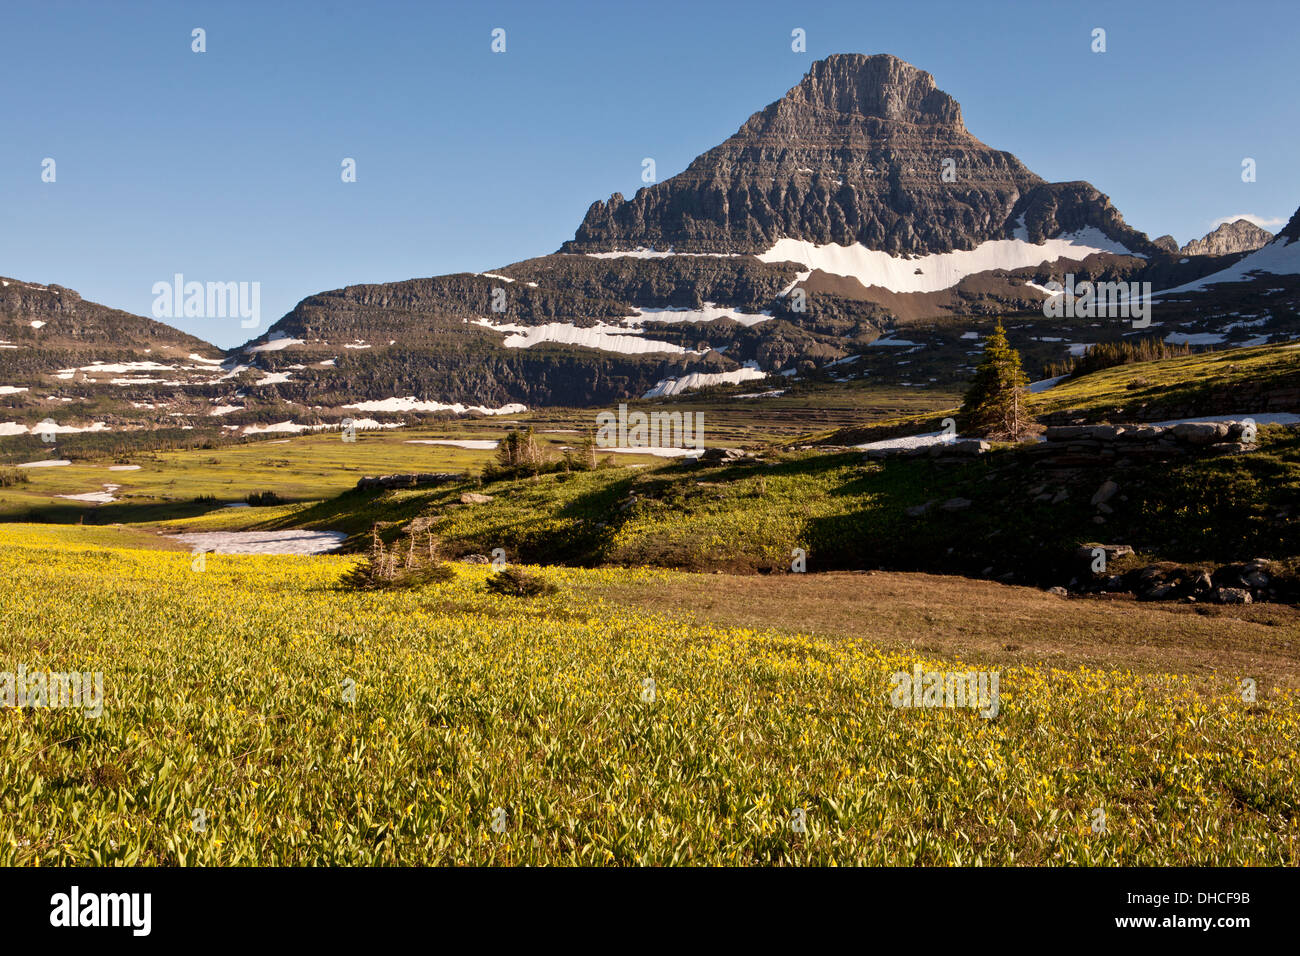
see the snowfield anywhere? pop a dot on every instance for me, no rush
(1043, 385)
(917, 441)
(264, 542)
(17, 428)
(121, 368)
(411, 404)
(607, 338)
(675, 386)
(275, 345)
(657, 450)
(471, 444)
(710, 312)
(95, 497)
(939, 270)
(293, 428)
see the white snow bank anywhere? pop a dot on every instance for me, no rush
(96, 497)
(939, 270)
(708, 312)
(607, 338)
(48, 463)
(913, 441)
(675, 386)
(1043, 385)
(471, 444)
(411, 404)
(293, 428)
(275, 345)
(14, 428)
(264, 542)
(120, 368)
(657, 451)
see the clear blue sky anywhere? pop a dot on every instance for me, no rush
(225, 166)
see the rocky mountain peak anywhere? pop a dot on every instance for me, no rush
(1241, 235)
(880, 87)
(864, 149)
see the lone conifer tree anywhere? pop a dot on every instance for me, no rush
(992, 404)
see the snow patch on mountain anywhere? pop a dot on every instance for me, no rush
(940, 270)
(606, 338)
(276, 345)
(708, 312)
(675, 386)
(412, 404)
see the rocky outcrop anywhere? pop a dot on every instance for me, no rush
(1240, 235)
(1245, 582)
(1291, 231)
(1072, 446)
(418, 480)
(724, 456)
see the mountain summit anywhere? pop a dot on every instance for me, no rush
(865, 150)
(1241, 235)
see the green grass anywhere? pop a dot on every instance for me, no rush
(1176, 381)
(846, 513)
(1218, 382)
